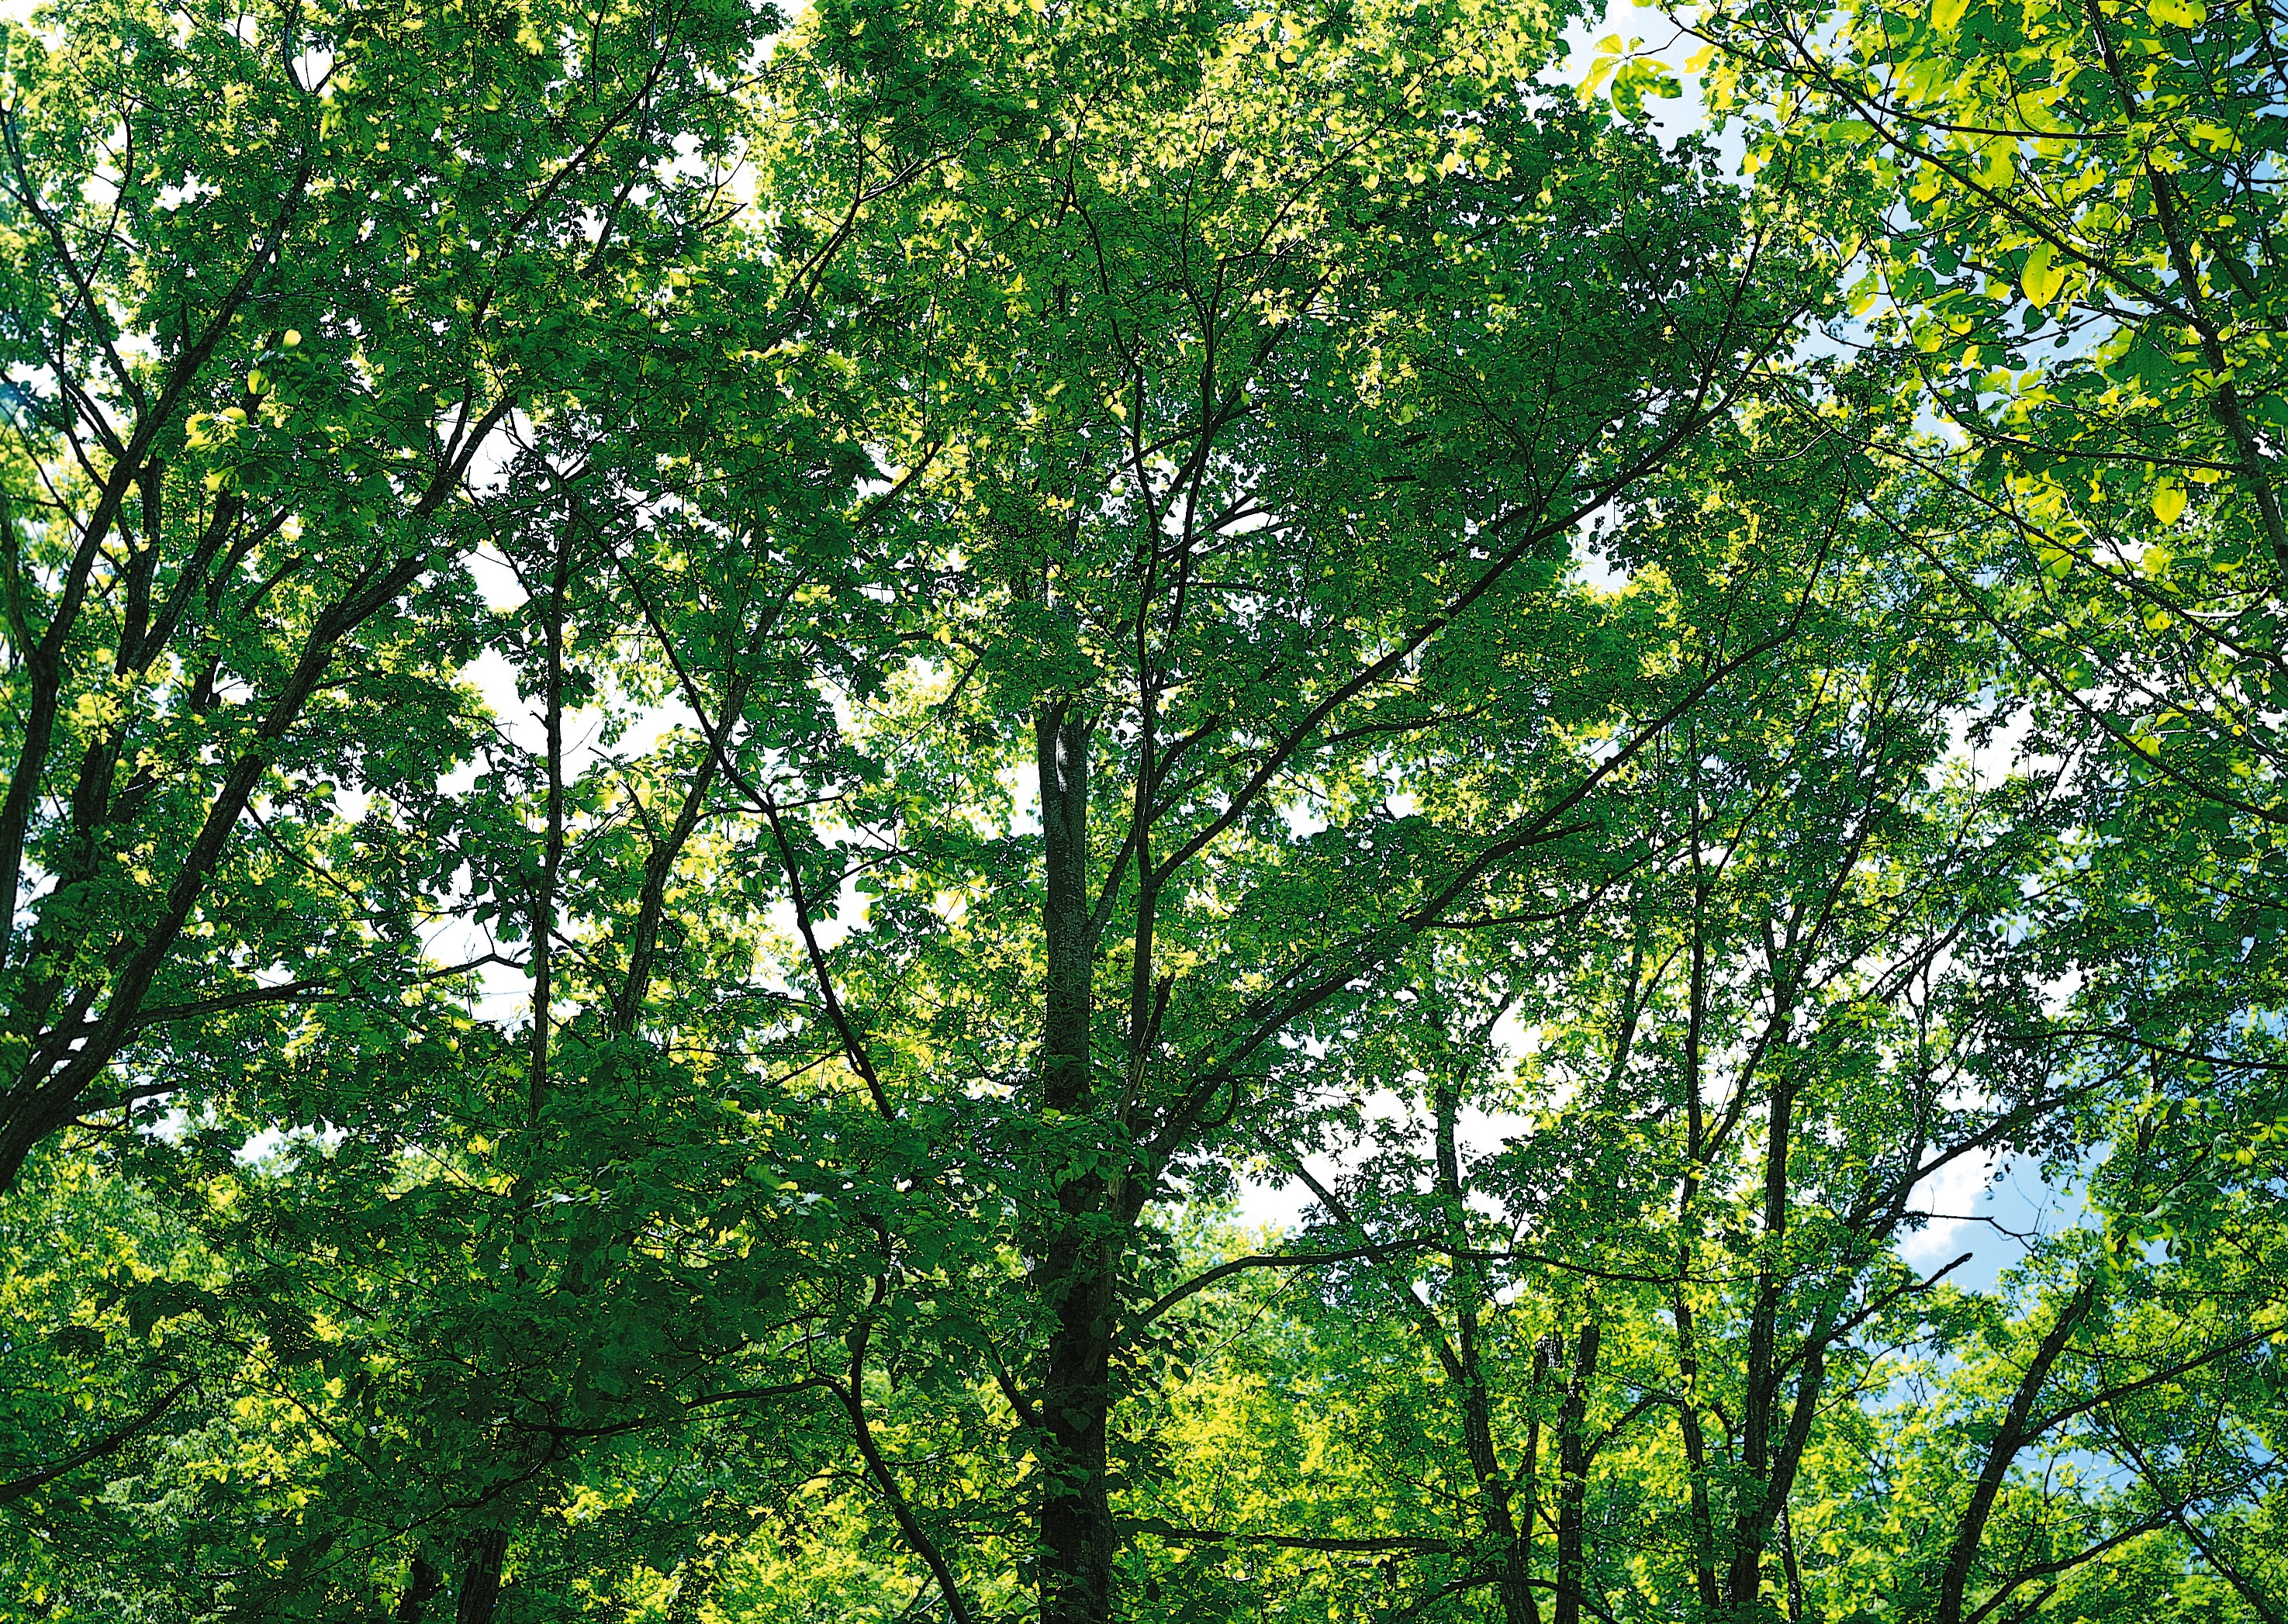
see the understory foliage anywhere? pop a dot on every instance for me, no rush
(728, 735)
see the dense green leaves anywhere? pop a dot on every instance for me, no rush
(726, 735)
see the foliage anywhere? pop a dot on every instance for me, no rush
(720, 731)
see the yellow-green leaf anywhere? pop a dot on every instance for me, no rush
(2042, 279)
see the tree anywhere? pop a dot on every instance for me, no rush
(2071, 268)
(1253, 407)
(256, 482)
(1757, 1047)
(275, 285)
(1036, 660)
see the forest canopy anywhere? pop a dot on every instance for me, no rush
(1095, 810)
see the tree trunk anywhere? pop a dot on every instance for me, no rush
(1752, 1524)
(1077, 1535)
(1696, 1451)
(1529, 1475)
(1494, 1511)
(1793, 1569)
(1573, 1453)
(480, 1580)
(423, 1582)
(1688, 1344)
(2009, 1438)
(1075, 1272)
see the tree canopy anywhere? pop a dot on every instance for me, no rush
(1138, 810)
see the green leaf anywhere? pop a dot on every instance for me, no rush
(2041, 278)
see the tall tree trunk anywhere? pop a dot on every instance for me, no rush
(1688, 1341)
(1074, 1275)
(1751, 1522)
(1500, 1525)
(481, 1579)
(1573, 1453)
(1529, 1475)
(1696, 1448)
(1499, 1522)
